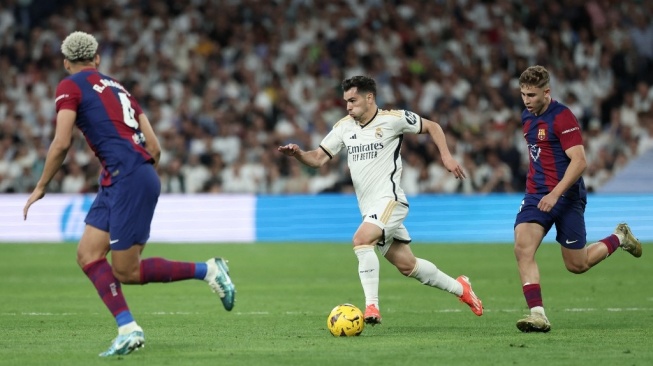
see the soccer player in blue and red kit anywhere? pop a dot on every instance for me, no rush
(555, 194)
(119, 219)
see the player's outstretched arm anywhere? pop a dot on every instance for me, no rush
(434, 129)
(314, 158)
(56, 154)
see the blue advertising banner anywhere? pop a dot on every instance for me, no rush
(314, 218)
(438, 218)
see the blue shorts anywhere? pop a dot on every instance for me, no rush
(567, 215)
(125, 209)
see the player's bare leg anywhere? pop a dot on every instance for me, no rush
(127, 264)
(528, 237)
(93, 245)
(581, 260)
(364, 240)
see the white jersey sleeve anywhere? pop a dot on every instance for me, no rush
(408, 122)
(332, 142)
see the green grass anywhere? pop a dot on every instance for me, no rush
(51, 315)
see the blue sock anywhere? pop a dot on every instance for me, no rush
(200, 270)
(124, 317)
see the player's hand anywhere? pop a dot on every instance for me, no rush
(452, 165)
(289, 150)
(547, 202)
(36, 195)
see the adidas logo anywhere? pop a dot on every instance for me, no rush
(353, 137)
(372, 216)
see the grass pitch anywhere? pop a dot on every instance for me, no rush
(51, 315)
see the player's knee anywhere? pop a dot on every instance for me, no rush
(359, 240)
(523, 253)
(577, 268)
(405, 264)
(404, 269)
(518, 250)
(127, 276)
(84, 258)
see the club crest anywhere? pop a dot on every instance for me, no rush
(378, 133)
(541, 134)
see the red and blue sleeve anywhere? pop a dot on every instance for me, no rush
(68, 95)
(567, 128)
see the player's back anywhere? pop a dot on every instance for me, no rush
(107, 115)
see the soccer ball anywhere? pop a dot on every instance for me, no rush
(345, 320)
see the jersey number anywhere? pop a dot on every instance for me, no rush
(128, 113)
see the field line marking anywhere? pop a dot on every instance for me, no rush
(295, 313)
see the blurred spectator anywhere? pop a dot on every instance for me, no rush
(595, 176)
(411, 173)
(74, 181)
(643, 98)
(646, 138)
(172, 179)
(493, 175)
(234, 179)
(195, 174)
(324, 181)
(297, 181)
(227, 82)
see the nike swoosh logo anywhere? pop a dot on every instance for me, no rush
(114, 241)
(570, 241)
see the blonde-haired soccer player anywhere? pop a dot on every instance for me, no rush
(119, 220)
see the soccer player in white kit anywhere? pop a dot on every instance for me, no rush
(373, 137)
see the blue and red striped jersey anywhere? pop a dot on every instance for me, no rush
(548, 136)
(107, 115)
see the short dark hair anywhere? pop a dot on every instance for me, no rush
(536, 76)
(364, 84)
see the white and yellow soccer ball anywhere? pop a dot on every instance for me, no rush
(345, 320)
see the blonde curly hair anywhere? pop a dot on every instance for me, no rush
(79, 46)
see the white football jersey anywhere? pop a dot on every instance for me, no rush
(373, 153)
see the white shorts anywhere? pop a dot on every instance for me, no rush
(389, 216)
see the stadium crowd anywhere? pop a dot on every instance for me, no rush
(226, 82)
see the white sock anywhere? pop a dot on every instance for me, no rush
(368, 271)
(620, 236)
(428, 274)
(210, 270)
(538, 309)
(128, 328)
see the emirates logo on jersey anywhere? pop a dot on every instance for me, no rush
(541, 134)
(378, 133)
